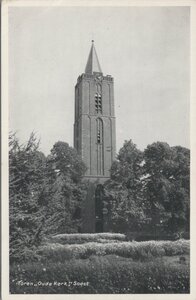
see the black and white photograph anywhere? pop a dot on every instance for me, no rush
(98, 148)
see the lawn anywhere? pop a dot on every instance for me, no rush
(103, 264)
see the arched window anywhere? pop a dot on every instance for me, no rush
(99, 131)
(100, 158)
(98, 99)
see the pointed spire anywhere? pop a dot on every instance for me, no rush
(93, 62)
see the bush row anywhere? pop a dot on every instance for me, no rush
(107, 275)
(78, 238)
(147, 236)
(134, 250)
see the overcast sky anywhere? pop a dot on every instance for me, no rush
(146, 50)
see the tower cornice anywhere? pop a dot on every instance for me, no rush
(85, 76)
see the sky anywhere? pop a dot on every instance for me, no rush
(145, 49)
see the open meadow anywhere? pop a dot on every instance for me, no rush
(102, 263)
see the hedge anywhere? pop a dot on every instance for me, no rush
(134, 250)
(78, 238)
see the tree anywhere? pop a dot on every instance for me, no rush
(179, 205)
(26, 193)
(150, 191)
(166, 186)
(124, 189)
(65, 170)
(45, 194)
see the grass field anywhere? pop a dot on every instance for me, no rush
(103, 264)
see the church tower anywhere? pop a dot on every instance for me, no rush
(94, 126)
(95, 138)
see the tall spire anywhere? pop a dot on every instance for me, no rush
(93, 62)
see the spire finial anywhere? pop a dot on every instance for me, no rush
(92, 41)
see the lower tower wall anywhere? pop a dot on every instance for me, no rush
(93, 217)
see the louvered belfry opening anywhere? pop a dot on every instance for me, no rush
(98, 99)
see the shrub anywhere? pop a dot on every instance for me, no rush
(178, 247)
(109, 274)
(134, 250)
(79, 238)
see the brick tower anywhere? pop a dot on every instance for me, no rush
(94, 129)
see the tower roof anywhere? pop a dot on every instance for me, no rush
(93, 64)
